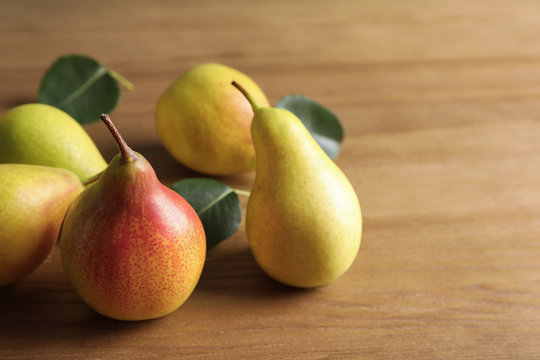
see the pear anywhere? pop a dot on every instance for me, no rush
(41, 134)
(303, 219)
(34, 201)
(205, 123)
(132, 248)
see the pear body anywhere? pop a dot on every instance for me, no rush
(303, 219)
(132, 248)
(41, 134)
(205, 123)
(34, 201)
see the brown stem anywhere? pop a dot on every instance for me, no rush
(128, 155)
(247, 95)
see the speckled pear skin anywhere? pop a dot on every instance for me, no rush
(34, 200)
(303, 218)
(132, 248)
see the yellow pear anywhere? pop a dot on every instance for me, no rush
(303, 219)
(34, 201)
(41, 134)
(205, 123)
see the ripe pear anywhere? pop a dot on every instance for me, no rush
(132, 248)
(41, 134)
(34, 201)
(205, 123)
(303, 219)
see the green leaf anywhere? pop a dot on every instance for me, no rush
(323, 125)
(216, 204)
(80, 86)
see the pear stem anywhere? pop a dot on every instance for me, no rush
(246, 94)
(127, 154)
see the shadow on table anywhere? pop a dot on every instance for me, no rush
(169, 170)
(18, 100)
(50, 313)
(237, 274)
(47, 312)
(41, 310)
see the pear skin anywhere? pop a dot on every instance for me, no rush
(303, 218)
(34, 201)
(132, 248)
(41, 134)
(205, 123)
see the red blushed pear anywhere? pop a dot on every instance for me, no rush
(132, 248)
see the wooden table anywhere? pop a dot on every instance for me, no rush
(440, 101)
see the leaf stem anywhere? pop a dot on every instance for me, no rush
(248, 96)
(241, 192)
(121, 79)
(128, 155)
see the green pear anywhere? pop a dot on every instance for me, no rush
(303, 219)
(34, 201)
(132, 248)
(41, 134)
(205, 123)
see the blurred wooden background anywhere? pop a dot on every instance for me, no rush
(440, 101)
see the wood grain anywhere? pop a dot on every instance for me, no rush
(440, 103)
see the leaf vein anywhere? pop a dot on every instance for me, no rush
(215, 201)
(101, 71)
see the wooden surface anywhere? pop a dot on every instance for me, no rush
(441, 105)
